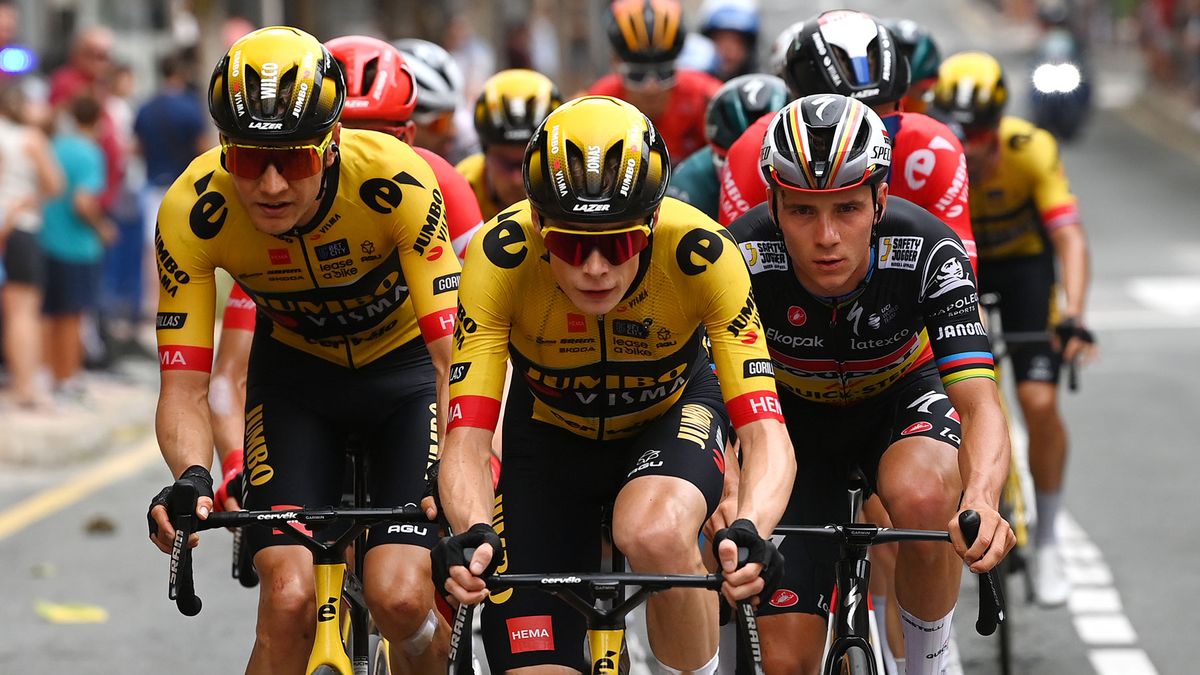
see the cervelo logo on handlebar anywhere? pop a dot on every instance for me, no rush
(278, 515)
(562, 580)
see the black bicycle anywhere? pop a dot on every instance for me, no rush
(357, 652)
(606, 623)
(850, 650)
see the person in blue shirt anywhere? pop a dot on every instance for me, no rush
(74, 232)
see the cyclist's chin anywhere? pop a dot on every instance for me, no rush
(594, 302)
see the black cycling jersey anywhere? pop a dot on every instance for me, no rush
(917, 309)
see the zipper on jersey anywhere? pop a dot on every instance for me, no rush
(603, 378)
(841, 365)
(313, 275)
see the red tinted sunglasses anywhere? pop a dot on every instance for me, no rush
(294, 162)
(617, 246)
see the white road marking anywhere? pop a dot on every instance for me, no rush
(1121, 662)
(1096, 607)
(1174, 296)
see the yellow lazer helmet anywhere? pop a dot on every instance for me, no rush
(513, 103)
(276, 84)
(971, 89)
(596, 159)
(646, 31)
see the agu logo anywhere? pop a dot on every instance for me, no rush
(797, 316)
(530, 634)
(784, 598)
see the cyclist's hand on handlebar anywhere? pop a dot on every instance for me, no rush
(455, 575)
(1075, 341)
(752, 565)
(162, 533)
(995, 539)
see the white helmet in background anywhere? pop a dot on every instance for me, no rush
(439, 79)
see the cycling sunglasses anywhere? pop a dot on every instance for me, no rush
(617, 246)
(640, 75)
(295, 162)
(438, 123)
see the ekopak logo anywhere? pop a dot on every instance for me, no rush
(796, 315)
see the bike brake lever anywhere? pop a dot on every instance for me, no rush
(181, 508)
(991, 602)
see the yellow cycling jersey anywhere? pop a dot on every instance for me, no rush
(473, 168)
(1026, 197)
(605, 377)
(370, 272)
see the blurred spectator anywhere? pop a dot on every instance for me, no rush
(74, 233)
(473, 56)
(28, 176)
(733, 27)
(89, 71)
(171, 130)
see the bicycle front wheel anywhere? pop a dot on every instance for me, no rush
(855, 661)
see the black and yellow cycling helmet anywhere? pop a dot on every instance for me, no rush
(276, 84)
(596, 159)
(646, 31)
(513, 103)
(971, 89)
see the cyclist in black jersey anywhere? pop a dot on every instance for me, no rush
(871, 319)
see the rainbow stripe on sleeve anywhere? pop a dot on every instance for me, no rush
(966, 365)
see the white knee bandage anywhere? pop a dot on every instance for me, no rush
(709, 668)
(418, 642)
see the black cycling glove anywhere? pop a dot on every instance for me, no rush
(753, 549)
(196, 477)
(450, 552)
(1070, 328)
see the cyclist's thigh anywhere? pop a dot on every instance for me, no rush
(548, 516)
(1028, 305)
(687, 443)
(923, 439)
(792, 643)
(293, 444)
(399, 426)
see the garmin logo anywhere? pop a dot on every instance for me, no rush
(301, 97)
(590, 208)
(627, 181)
(270, 80)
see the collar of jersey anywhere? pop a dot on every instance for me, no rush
(839, 300)
(327, 195)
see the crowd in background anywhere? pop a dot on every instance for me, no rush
(84, 162)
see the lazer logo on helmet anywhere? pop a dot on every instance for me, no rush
(266, 126)
(270, 80)
(590, 208)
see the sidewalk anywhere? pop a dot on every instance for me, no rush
(116, 409)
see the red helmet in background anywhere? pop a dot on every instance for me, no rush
(381, 92)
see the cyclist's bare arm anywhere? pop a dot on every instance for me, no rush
(983, 464)
(1071, 249)
(465, 480)
(439, 353)
(227, 391)
(184, 435)
(767, 472)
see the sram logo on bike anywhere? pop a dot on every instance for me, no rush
(916, 428)
(530, 634)
(784, 598)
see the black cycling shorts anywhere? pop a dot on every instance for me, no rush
(301, 412)
(553, 487)
(829, 442)
(1027, 305)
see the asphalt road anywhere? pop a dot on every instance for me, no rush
(1132, 468)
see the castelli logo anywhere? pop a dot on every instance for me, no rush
(784, 598)
(916, 428)
(797, 316)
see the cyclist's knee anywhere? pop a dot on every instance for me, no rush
(402, 605)
(792, 643)
(665, 540)
(1039, 401)
(925, 504)
(286, 598)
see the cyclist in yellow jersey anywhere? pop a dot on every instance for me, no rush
(1025, 220)
(600, 291)
(513, 103)
(339, 237)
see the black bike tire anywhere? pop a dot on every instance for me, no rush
(855, 661)
(1003, 574)
(375, 650)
